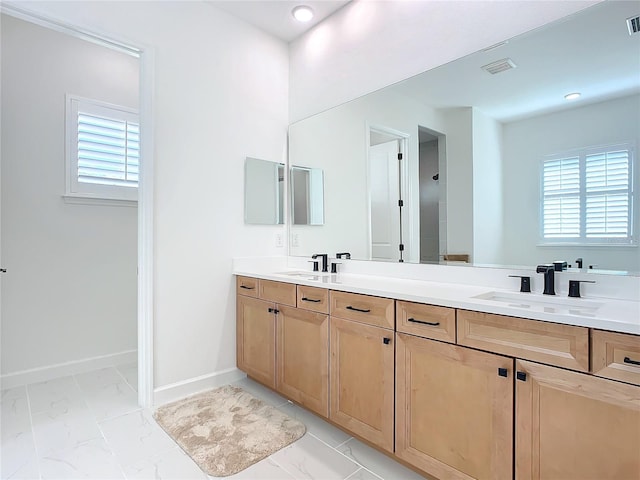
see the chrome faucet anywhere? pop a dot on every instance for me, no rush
(325, 260)
(548, 270)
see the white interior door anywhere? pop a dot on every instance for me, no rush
(384, 196)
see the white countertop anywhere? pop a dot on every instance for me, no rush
(602, 313)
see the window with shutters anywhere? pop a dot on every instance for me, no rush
(587, 197)
(103, 151)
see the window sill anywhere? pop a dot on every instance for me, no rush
(79, 199)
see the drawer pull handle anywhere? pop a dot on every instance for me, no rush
(422, 322)
(305, 299)
(247, 288)
(632, 362)
(274, 310)
(349, 307)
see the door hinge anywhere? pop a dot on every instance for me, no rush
(401, 247)
(400, 203)
(399, 156)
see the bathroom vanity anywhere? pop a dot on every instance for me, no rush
(454, 380)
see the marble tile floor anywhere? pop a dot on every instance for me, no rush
(89, 426)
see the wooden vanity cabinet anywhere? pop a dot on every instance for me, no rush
(615, 356)
(454, 409)
(571, 425)
(257, 304)
(302, 342)
(256, 339)
(362, 380)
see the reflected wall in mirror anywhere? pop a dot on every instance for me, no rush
(307, 196)
(263, 192)
(471, 175)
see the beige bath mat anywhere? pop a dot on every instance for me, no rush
(227, 429)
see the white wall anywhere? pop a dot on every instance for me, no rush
(70, 291)
(459, 181)
(368, 45)
(526, 142)
(221, 94)
(488, 223)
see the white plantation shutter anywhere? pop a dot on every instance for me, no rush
(587, 197)
(103, 142)
(561, 204)
(608, 195)
(108, 151)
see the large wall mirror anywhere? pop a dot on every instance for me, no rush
(483, 159)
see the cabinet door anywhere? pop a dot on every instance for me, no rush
(256, 339)
(575, 426)
(303, 357)
(362, 358)
(454, 409)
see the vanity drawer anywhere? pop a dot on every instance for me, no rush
(277, 292)
(615, 356)
(362, 308)
(551, 343)
(247, 286)
(313, 298)
(429, 321)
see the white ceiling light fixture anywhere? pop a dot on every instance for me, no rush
(302, 13)
(572, 96)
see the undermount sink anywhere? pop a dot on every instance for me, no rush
(546, 303)
(306, 275)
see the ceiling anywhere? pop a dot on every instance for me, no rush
(274, 16)
(590, 52)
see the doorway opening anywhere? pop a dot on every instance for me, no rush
(141, 253)
(432, 185)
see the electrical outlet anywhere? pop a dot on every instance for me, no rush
(279, 242)
(295, 240)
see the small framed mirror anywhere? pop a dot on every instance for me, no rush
(307, 196)
(263, 192)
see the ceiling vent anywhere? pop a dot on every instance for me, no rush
(499, 66)
(633, 24)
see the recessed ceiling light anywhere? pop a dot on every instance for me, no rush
(572, 96)
(302, 13)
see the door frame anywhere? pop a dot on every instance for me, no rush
(403, 139)
(146, 56)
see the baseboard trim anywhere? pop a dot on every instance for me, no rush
(178, 390)
(43, 374)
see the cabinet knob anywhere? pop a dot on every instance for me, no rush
(522, 376)
(386, 341)
(503, 372)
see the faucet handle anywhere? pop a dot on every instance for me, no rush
(334, 267)
(315, 265)
(525, 283)
(574, 287)
(346, 255)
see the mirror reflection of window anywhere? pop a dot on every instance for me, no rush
(263, 192)
(307, 196)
